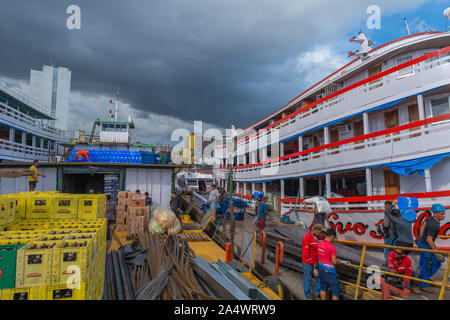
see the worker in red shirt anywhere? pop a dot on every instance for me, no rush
(82, 153)
(310, 261)
(327, 266)
(399, 262)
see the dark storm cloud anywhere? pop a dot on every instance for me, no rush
(221, 62)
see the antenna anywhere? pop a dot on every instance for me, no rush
(427, 26)
(116, 114)
(407, 26)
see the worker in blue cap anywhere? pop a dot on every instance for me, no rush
(429, 262)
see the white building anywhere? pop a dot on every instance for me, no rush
(51, 87)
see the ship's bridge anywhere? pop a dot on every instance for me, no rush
(115, 131)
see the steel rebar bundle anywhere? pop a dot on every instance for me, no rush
(160, 268)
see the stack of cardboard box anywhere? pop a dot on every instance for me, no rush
(132, 214)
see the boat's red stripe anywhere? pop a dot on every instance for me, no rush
(421, 195)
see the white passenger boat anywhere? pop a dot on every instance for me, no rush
(376, 128)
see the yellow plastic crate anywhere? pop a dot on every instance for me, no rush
(64, 292)
(34, 264)
(4, 211)
(25, 225)
(11, 209)
(20, 206)
(88, 207)
(92, 207)
(32, 293)
(70, 257)
(65, 206)
(58, 232)
(51, 237)
(22, 232)
(40, 207)
(15, 241)
(13, 236)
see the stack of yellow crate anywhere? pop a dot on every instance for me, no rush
(62, 259)
(63, 238)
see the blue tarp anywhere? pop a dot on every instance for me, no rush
(408, 167)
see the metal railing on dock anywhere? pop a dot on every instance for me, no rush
(443, 285)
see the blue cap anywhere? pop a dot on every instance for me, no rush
(437, 208)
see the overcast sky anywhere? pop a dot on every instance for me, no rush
(223, 62)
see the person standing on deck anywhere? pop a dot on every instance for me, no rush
(310, 261)
(176, 204)
(262, 214)
(403, 227)
(213, 199)
(429, 262)
(327, 266)
(321, 208)
(148, 199)
(33, 179)
(257, 202)
(390, 234)
(148, 203)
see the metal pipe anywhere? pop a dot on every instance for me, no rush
(361, 264)
(279, 256)
(262, 243)
(118, 278)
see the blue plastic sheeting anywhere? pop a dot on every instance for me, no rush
(150, 157)
(408, 167)
(109, 156)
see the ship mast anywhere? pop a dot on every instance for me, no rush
(116, 112)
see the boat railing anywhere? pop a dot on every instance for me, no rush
(19, 95)
(17, 117)
(378, 272)
(18, 150)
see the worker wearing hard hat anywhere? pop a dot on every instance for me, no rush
(429, 262)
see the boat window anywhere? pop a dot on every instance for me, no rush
(4, 132)
(17, 136)
(29, 139)
(440, 106)
(405, 71)
(192, 182)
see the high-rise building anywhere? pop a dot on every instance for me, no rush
(51, 87)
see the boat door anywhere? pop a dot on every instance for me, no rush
(391, 120)
(358, 130)
(413, 113)
(334, 137)
(391, 183)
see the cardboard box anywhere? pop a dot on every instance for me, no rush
(122, 195)
(136, 202)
